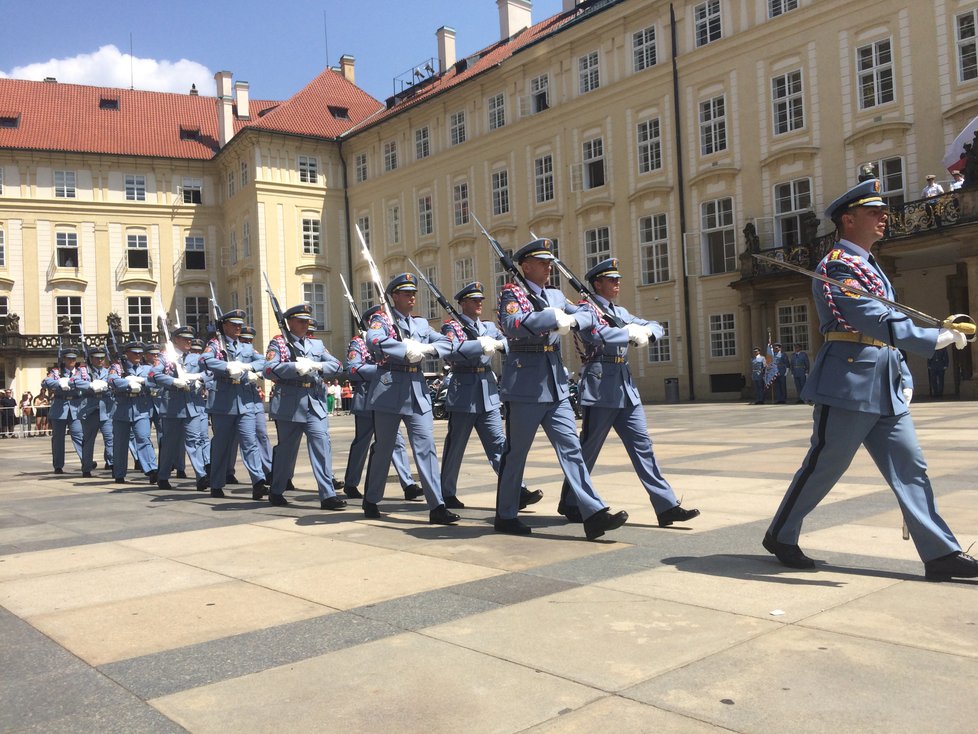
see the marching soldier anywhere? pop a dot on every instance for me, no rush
(472, 398)
(228, 404)
(534, 383)
(861, 388)
(200, 426)
(399, 394)
(298, 407)
(257, 399)
(610, 398)
(179, 384)
(133, 411)
(97, 413)
(361, 369)
(65, 413)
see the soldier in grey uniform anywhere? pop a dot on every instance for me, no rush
(757, 367)
(361, 368)
(861, 388)
(610, 398)
(399, 394)
(97, 415)
(472, 396)
(257, 402)
(534, 383)
(799, 369)
(133, 412)
(65, 412)
(298, 366)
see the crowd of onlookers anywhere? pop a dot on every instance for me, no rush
(27, 417)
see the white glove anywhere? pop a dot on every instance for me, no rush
(252, 377)
(489, 345)
(303, 365)
(637, 335)
(564, 321)
(179, 383)
(430, 349)
(135, 384)
(414, 350)
(235, 370)
(907, 395)
(63, 383)
(99, 386)
(247, 366)
(193, 376)
(947, 337)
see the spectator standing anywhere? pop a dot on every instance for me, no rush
(27, 413)
(42, 404)
(346, 396)
(8, 418)
(757, 367)
(958, 181)
(932, 188)
(935, 372)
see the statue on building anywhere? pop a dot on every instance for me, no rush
(750, 235)
(11, 324)
(970, 156)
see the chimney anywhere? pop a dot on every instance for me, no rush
(241, 99)
(514, 16)
(346, 67)
(446, 48)
(571, 4)
(225, 115)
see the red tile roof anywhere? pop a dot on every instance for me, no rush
(68, 117)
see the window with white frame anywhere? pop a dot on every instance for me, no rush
(460, 203)
(390, 155)
(70, 306)
(874, 64)
(965, 25)
(3, 249)
(196, 313)
(543, 178)
(422, 142)
(723, 335)
(249, 301)
(66, 244)
(135, 187)
(308, 169)
(315, 295)
(890, 173)
(643, 48)
(234, 303)
(713, 125)
(554, 281)
(501, 276)
(456, 127)
(792, 200)
(360, 165)
(464, 273)
(649, 146)
(426, 216)
(394, 224)
(540, 93)
(661, 349)
(232, 246)
(246, 238)
(500, 192)
(194, 252)
(497, 111)
(718, 237)
(793, 325)
(364, 224)
(230, 184)
(137, 250)
(191, 189)
(431, 302)
(245, 174)
(140, 312)
(597, 246)
(4, 307)
(588, 73)
(367, 291)
(653, 237)
(788, 101)
(706, 17)
(64, 184)
(593, 154)
(780, 7)
(310, 235)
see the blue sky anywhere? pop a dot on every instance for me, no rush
(276, 47)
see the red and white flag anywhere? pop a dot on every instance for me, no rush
(954, 155)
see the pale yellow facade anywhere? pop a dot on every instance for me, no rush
(613, 164)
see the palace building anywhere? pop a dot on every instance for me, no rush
(679, 137)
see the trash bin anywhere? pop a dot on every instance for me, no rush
(672, 389)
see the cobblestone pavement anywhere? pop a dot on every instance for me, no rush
(134, 609)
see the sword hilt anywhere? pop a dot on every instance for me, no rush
(961, 322)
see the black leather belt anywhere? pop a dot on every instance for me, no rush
(532, 348)
(469, 370)
(607, 360)
(401, 367)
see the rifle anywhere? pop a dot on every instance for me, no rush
(353, 305)
(170, 351)
(587, 295)
(61, 358)
(378, 284)
(280, 319)
(118, 352)
(219, 328)
(84, 346)
(537, 301)
(469, 330)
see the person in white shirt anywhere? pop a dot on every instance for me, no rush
(958, 181)
(932, 188)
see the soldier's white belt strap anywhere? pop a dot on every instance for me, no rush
(848, 336)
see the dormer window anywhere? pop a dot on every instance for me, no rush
(108, 103)
(190, 133)
(339, 113)
(9, 121)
